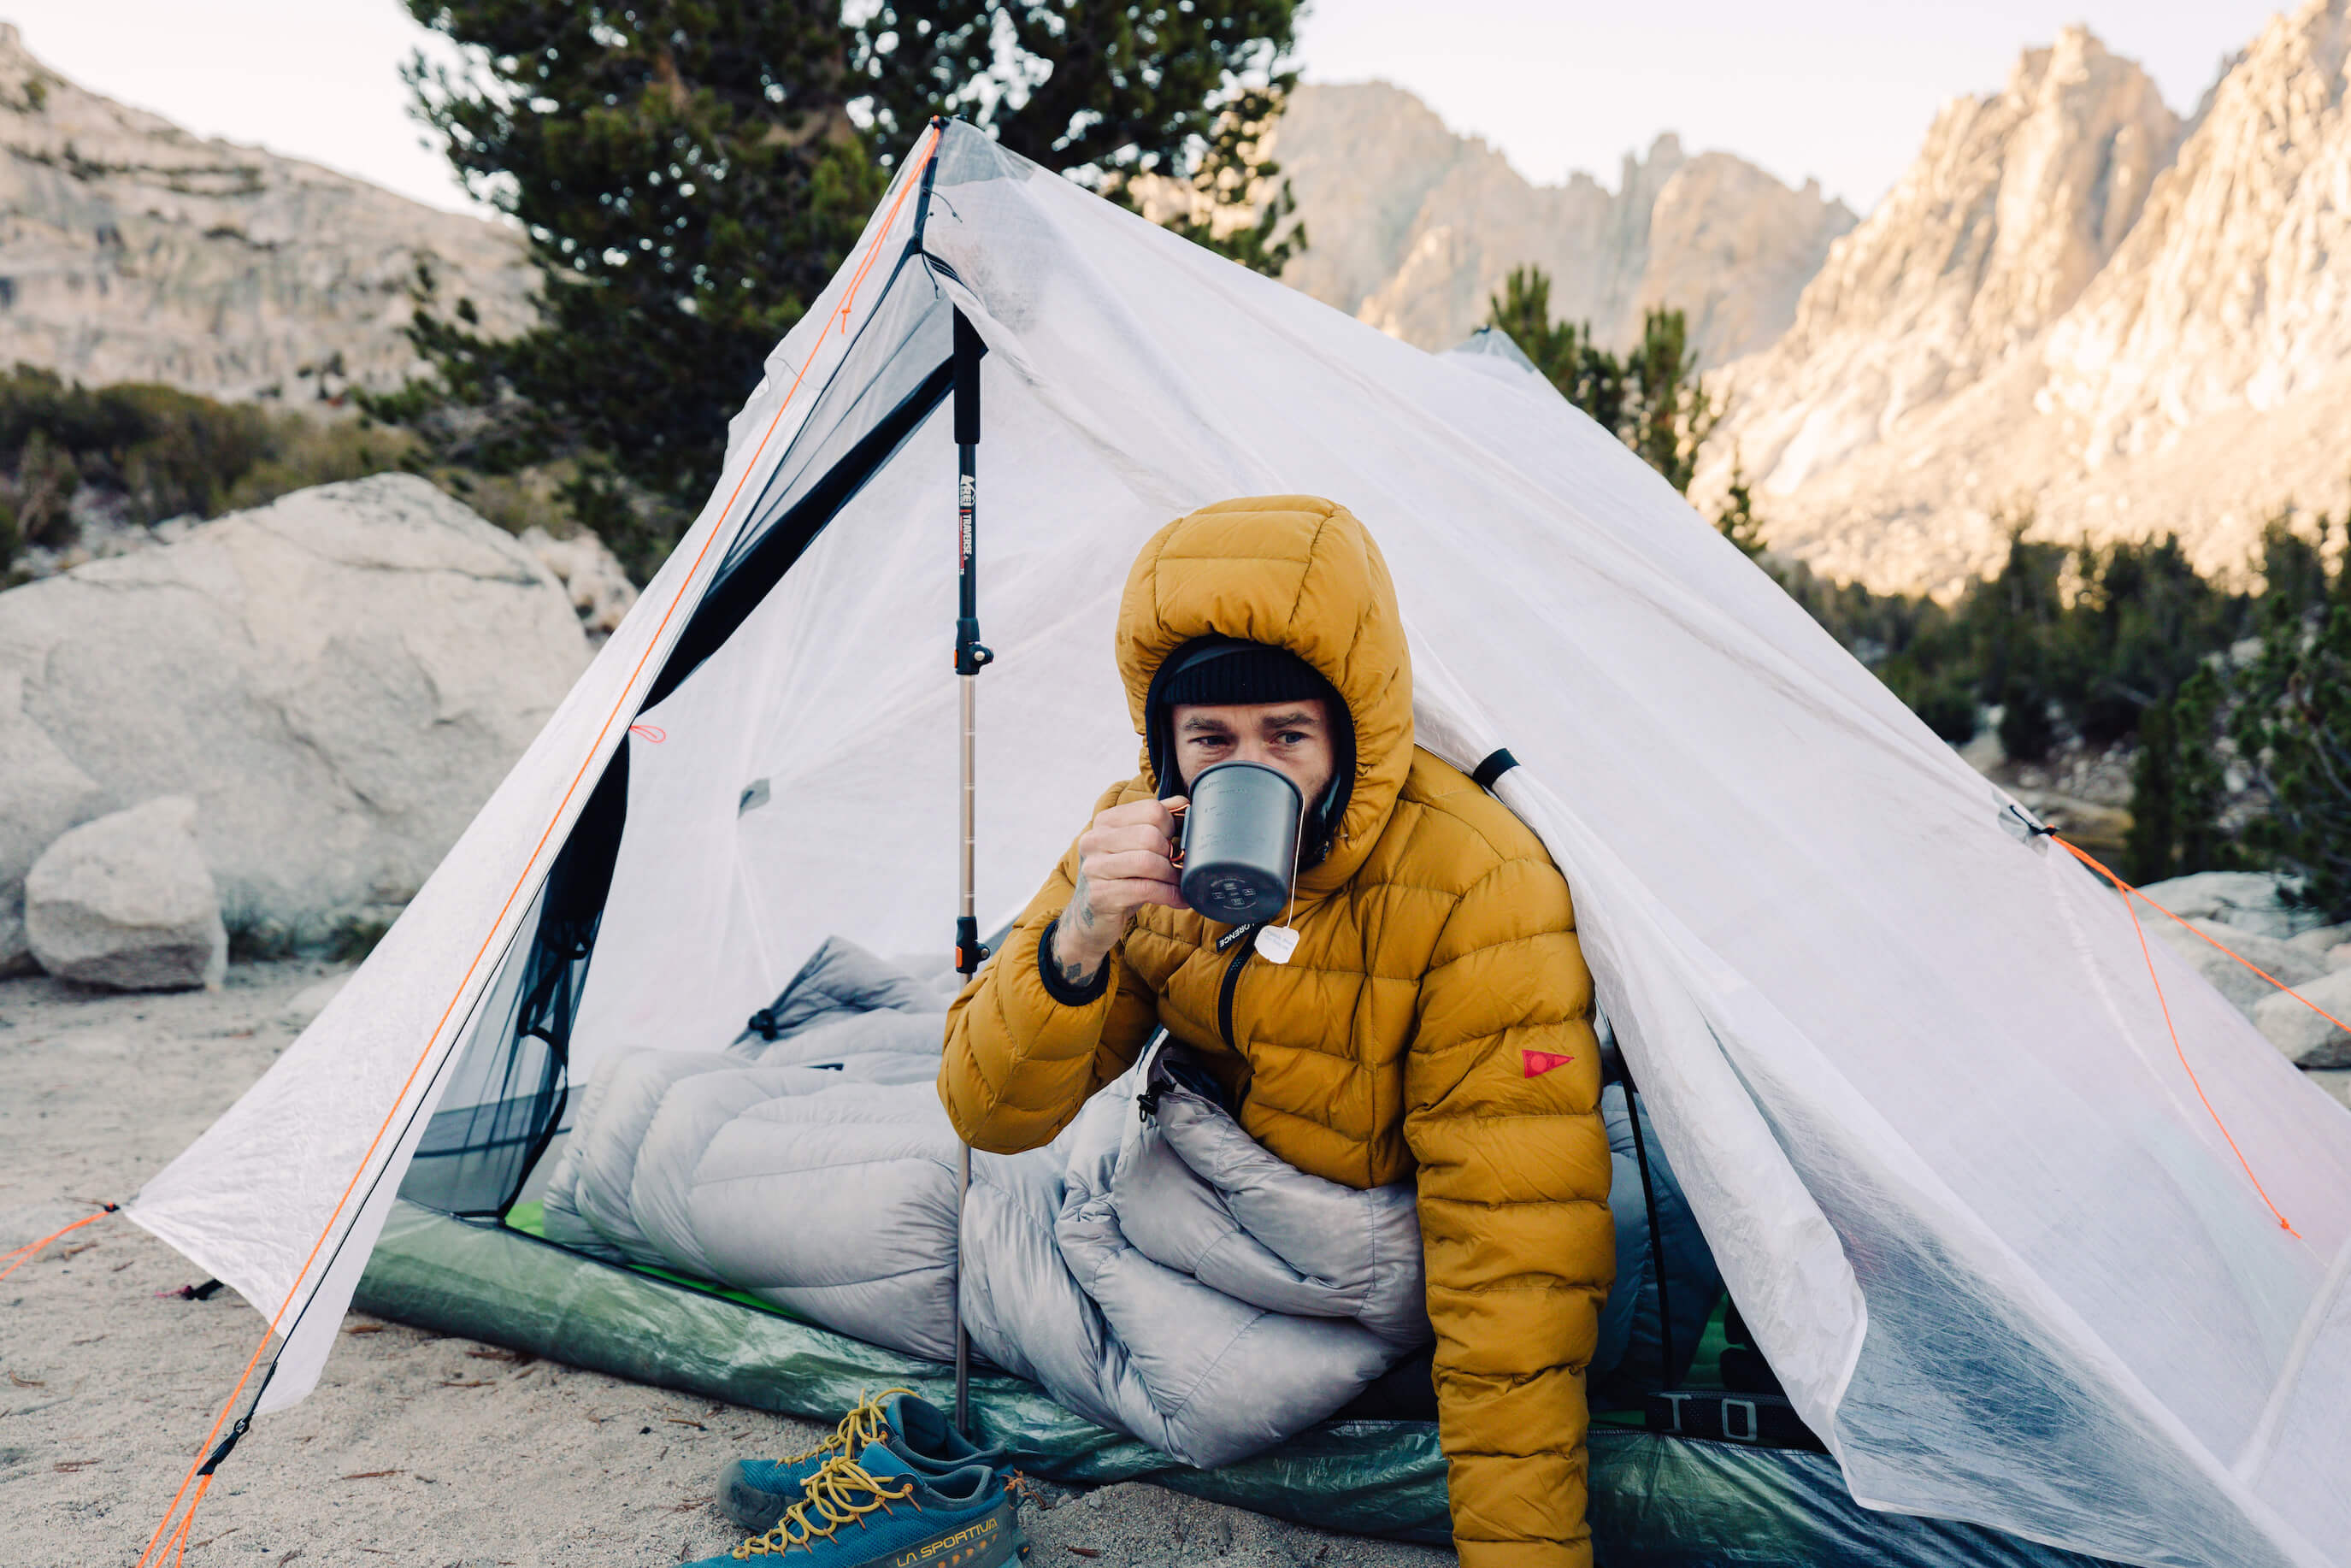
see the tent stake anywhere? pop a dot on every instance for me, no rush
(971, 657)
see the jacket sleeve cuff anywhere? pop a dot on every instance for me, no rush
(1060, 989)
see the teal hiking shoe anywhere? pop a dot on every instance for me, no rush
(875, 1513)
(755, 1493)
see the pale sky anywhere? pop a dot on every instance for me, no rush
(1841, 90)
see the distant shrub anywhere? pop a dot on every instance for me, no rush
(310, 452)
(149, 453)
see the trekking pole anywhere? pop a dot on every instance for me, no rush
(971, 657)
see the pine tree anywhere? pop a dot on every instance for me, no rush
(1587, 375)
(2200, 789)
(2294, 726)
(1737, 519)
(1229, 182)
(690, 174)
(2179, 786)
(1672, 413)
(2011, 624)
(2150, 847)
(1522, 311)
(1651, 400)
(1108, 89)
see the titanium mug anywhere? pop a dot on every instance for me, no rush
(1240, 842)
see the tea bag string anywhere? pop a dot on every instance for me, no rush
(1297, 842)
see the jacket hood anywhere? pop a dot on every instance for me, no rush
(1301, 573)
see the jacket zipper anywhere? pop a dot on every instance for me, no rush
(1232, 983)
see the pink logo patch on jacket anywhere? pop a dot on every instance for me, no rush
(1541, 1061)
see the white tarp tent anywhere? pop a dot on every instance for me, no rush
(1907, 1062)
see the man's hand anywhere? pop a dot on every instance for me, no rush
(1125, 859)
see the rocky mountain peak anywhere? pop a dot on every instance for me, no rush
(17, 62)
(1362, 158)
(1414, 227)
(133, 250)
(2013, 204)
(2229, 292)
(2075, 309)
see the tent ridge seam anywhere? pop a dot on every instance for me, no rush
(2263, 1443)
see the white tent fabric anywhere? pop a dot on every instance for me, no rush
(1907, 1062)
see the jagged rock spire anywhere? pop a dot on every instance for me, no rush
(2076, 307)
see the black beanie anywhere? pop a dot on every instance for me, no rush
(1214, 672)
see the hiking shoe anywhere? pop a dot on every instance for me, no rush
(755, 1493)
(965, 1519)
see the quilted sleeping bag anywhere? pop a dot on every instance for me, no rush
(1154, 1268)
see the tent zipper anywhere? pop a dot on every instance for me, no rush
(1247, 935)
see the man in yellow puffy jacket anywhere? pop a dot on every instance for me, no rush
(1434, 1020)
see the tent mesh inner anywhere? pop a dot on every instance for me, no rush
(506, 1102)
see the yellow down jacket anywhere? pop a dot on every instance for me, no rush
(1436, 1020)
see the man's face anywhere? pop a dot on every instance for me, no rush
(1293, 738)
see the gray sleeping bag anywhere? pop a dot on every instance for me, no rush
(1154, 1267)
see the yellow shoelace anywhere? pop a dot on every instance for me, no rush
(832, 1499)
(863, 1424)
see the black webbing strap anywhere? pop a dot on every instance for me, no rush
(1667, 1372)
(1493, 768)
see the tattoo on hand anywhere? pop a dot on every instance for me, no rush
(1079, 974)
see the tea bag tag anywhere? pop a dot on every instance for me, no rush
(1277, 943)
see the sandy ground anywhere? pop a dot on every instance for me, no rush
(417, 1450)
